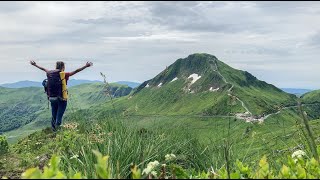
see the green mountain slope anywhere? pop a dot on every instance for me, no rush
(172, 91)
(311, 97)
(312, 102)
(85, 95)
(22, 106)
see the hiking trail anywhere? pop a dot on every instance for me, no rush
(229, 90)
(247, 116)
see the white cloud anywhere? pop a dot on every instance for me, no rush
(136, 40)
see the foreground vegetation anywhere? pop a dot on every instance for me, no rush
(140, 148)
(296, 167)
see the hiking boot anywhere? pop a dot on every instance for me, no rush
(54, 129)
(58, 128)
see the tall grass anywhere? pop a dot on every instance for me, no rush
(129, 145)
(308, 134)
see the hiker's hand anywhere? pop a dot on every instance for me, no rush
(89, 64)
(32, 63)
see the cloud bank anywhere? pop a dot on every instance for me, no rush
(278, 42)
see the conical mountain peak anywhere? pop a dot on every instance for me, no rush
(203, 75)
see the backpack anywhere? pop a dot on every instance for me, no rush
(45, 85)
(53, 84)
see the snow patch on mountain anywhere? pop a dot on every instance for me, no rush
(195, 77)
(174, 79)
(211, 89)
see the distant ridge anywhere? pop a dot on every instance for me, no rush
(22, 84)
(71, 82)
(128, 83)
(295, 91)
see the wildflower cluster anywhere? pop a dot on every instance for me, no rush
(301, 169)
(170, 157)
(96, 137)
(150, 168)
(71, 126)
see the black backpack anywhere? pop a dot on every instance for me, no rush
(45, 85)
(53, 84)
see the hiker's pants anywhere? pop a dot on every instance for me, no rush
(58, 107)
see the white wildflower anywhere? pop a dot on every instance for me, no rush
(74, 156)
(298, 154)
(154, 173)
(170, 157)
(151, 166)
(146, 170)
(154, 164)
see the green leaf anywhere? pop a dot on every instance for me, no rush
(301, 172)
(285, 171)
(32, 173)
(102, 169)
(136, 173)
(77, 176)
(291, 162)
(314, 162)
(264, 164)
(235, 175)
(60, 175)
(222, 173)
(263, 171)
(101, 172)
(54, 163)
(180, 172)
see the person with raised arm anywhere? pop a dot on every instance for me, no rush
(56, 88)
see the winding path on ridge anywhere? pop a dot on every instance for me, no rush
(245, 116)
(229, 90)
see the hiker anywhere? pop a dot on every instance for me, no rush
(55, 86)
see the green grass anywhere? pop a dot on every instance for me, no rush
(128, 144)
(198, 142)
(172, 100)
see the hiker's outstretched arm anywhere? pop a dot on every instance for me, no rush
(88, 64)
(34, 64)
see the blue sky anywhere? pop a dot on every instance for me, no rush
(278, 42)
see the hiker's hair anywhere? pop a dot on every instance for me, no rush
(59, 65)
